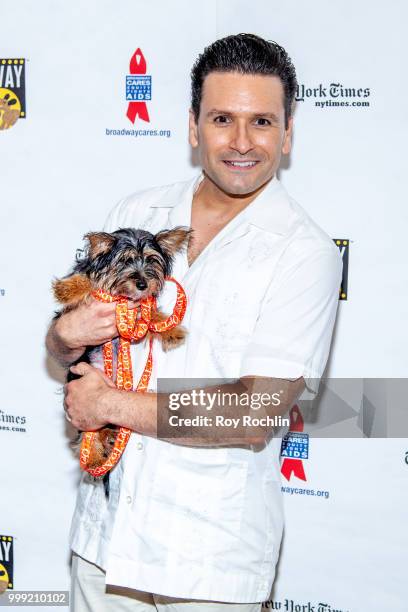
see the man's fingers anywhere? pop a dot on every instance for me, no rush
(103, 308)
(84, 368)
(107, 308)
(81, 368)
(108, 381)
(98, 309)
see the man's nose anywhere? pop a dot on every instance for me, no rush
(241, 138)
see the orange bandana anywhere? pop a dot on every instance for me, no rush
(130, 327)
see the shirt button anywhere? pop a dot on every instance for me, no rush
(129, 499)
(139, 446)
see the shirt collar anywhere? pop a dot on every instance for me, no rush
(271, 210)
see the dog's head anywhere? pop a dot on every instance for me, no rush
(131, 262)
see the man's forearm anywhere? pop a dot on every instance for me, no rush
(59, 349)
(189, 425)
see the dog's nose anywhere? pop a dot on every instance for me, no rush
(141, 284)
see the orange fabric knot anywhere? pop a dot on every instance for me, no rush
(133, 324)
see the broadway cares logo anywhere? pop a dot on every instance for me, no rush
(333, 94)
(291, 606)
(138, 87)
(138, 96)
(294, 446)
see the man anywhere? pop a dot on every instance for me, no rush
(195, 521)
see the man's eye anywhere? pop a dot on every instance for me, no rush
(263, 121)
(221, 119)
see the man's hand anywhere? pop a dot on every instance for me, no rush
(88, 325)
(85, 398)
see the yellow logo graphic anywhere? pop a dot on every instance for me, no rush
(12, 91)
(4, 579)
(10, 108)
(6, 563)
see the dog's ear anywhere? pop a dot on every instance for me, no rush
(173, 240)
(99, 243)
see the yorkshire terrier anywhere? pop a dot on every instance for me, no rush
(128, 262)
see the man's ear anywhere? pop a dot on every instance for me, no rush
(287, 139)
(99, 243)
(192, 130)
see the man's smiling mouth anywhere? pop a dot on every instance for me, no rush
(242, 165)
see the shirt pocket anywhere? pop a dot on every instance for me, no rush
(197, 503)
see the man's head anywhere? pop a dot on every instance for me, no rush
(243, 91)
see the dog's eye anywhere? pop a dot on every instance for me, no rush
(132, 259)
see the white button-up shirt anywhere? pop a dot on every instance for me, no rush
(206, 523)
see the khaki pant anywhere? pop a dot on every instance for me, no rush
(90, 594)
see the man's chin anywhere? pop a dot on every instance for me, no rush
(239, 186)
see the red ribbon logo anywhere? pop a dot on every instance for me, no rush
(137, 66)
(290, 465)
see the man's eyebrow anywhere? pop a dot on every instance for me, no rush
(216, 111)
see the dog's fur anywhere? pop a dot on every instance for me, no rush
(128, 262)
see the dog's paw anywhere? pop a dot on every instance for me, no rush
(172, 338)
(107, 437)
(71, 290)
(101, 448)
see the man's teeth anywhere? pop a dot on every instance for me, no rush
(242, 164)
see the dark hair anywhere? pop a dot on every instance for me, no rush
(246, 54)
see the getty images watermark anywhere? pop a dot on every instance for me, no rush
(198, 398)
(217, 413)
(327, 408)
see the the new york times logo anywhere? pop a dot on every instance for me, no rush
(333, 94)
(11, 422)
(289, 605)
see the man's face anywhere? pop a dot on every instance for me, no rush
(240, 132)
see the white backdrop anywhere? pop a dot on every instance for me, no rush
(61, 173)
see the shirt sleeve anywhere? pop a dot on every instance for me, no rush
(293, 332)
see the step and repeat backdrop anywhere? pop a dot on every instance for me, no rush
(94, 100)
